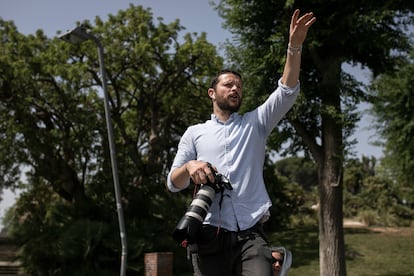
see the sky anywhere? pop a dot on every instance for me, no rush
(54, 15)
(198, 16)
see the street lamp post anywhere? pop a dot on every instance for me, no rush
(77, 36)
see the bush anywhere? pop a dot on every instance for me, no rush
(369, 217)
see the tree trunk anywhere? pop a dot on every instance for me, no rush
(331, 236)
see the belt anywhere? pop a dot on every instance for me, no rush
(258, 227)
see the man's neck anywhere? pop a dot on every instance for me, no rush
(223, 116)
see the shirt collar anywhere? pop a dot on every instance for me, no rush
(232, 117)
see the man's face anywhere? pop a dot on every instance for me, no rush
(228, 92)
(277, 262)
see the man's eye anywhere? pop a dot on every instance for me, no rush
(231, 85)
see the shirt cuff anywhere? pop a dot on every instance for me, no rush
(171, 186)
(288, 90)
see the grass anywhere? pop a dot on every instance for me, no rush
(369, 251)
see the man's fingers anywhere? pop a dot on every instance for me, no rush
(205, 172)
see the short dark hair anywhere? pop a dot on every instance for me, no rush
(222, 72)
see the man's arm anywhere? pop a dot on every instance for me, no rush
(297, 34)
(198, 171)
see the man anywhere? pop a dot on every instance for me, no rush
(231, 241)
(281, 261)
(277, 262)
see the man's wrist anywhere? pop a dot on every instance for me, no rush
(294, 50)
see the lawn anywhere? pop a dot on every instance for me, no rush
(370, 251)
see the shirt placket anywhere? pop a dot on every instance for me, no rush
(227, 151)
(229, 164)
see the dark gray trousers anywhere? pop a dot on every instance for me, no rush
(228, 253)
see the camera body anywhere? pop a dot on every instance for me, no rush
(190, 224)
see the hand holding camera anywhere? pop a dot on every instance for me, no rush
(190, 224)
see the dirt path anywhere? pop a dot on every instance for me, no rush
(353, 223)
(409, 231)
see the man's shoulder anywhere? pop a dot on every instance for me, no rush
(198, 126)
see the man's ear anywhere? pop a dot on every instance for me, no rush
(211, 93)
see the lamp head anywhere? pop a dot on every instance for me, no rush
(76, 36)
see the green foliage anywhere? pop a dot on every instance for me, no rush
(382, 196)
(291, 184)
(356, 171)
(374, 200)
(393, 106)
(53, 127)
(58, 237)
(299, 170)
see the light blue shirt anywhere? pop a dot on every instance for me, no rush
(237, 148)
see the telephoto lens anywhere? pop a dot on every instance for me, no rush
(190, 224)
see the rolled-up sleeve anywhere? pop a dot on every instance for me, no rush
(185, 153)
(277, 105)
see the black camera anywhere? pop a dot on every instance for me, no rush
(190, 224)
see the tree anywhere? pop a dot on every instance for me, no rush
(393, 107)
(53, 126)
(52, 130)
(321, 122)
(295, 191)
(373, 196)
(356, 171)
(300, 170)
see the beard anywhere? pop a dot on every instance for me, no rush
(226, 105)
